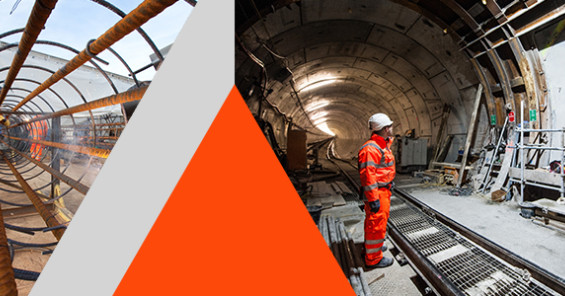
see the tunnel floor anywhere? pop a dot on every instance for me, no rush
(499, 222)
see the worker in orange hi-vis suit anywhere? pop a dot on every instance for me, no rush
(377, 170)
(38, 130)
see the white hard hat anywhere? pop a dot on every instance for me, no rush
(379, 121)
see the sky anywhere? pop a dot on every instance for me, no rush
(75, 22)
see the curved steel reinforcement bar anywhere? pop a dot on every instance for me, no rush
(47, 216)
(139, 30)
(128, 96)
(39, 15)
(102, 153)
(71, 182)
(7, 281)
(130, 22)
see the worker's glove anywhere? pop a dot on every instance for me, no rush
(375, 206)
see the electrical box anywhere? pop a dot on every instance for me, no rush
(413, 153)
(296, 150)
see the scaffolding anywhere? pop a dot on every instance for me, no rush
(542, 179)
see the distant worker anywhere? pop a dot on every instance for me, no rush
(377, 170)
(38, 131)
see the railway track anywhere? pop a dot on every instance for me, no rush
(452, 259)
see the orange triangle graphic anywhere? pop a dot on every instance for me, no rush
(234, 225)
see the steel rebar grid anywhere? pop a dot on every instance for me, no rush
(20, 188)
(68, 180)
(128, 96)
(47, 216)
(7, 280)
(102, 153)
(137, 17)
(39, 15)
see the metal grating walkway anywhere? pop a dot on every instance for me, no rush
(468, 267)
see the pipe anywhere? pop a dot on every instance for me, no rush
(7, 281)
(71, 182)
(102, 153)
(47, 216)
(128, 96)
(39, 15)
(133, 20)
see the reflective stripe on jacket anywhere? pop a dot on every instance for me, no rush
(376, 166)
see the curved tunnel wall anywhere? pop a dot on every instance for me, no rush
(364, 57)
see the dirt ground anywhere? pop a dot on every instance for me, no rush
(33, 258)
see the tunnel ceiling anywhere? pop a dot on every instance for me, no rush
(359, 57)
(350, 59)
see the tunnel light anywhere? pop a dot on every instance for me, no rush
(317, 84)
(318, 115)
(319, 121)
(325, 128)
(317, 105)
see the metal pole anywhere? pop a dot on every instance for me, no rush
(130, 22)
(470, 132)
(102, 153)
(562, 163)
(520, 146)
(128, 96)
(55, 156)
(39, 15)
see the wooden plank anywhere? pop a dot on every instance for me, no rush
(506, 162)
(344, 188)
(338, 200)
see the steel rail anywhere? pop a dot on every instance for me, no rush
(37, 19)
(68, 180)
(543, 276)
(47, 216)
(128, 96)
(425, 268)
(130, 22)
(7, 279)
(102, 153)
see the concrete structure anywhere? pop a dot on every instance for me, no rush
(481, 81)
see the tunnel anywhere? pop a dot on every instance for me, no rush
(474, 90)
(328, 66)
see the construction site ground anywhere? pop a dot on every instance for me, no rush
(499, 222)
(32, 258)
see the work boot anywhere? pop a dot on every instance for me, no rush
(385, 262)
